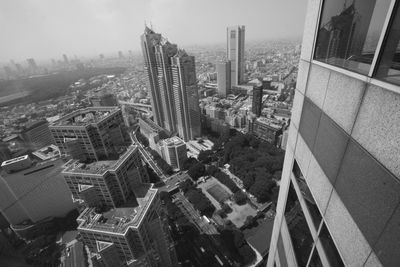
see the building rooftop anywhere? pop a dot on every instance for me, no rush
(98, 167)
(269, 122)
(175, 140)
(47, 152)
(118, 220)
(85, 116)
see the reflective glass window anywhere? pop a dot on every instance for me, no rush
(389, 63)
(349, 32)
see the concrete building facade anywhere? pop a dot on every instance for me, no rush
(173, 151)
(224, 78)
(37, 135)
(90, 134)
(339, 201)
(186, 96)
(235, 53)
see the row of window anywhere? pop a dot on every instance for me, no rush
(304, 245)
(350, 34)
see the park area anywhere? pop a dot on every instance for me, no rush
(220, 195)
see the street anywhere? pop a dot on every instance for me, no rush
(145, 155)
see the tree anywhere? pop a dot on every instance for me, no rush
(205, 156)
(226, 180)
(240, 198)
(186, 185)
(211, 170)
(196, 171)
(189, 162)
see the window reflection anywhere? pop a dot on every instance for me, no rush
(389, 65)
(330, 248)
(298, 228)
(349, 33)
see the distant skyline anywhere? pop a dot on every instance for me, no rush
(50, 28)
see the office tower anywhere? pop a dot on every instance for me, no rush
(120, 55)
(173, 151)
(186, 96)
(65, 59)
(235, 53)
(121, 224)
(148, 41)
(36, 135)
(173, 85)
(339, 201)
(224, 78)
(257, 100)
(164, 51)
(32, 191)
(90, 134)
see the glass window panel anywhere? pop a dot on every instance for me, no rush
(330, 249)
(389, 64)
(305, 191)
(349, 32)
(315, 260)
(298, 228)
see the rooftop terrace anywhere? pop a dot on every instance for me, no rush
(118, 220)
(85, 116)
(98, 167)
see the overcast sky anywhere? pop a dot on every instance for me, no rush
(45, 29)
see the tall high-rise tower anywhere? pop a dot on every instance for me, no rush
(148, 41)
(186, 95)
(339, 201)
(235, 53)
(172, 85)
(164, 51)
(224, 77)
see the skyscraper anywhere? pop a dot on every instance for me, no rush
(235, 53)
(224, 77)
(148, 41)
(186, 96)
(257, 100)
(339, 201)
(164, 52)
(173, 85)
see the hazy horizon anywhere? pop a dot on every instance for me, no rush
(50, 28)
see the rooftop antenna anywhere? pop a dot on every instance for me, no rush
(151, 26)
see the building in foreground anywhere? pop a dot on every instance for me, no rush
(235, 53)
(89, 134)
(339, 201)
(224, 78)
(121, 224)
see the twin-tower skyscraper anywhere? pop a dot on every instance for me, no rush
(173, 85)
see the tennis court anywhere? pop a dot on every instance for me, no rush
(218, 193)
